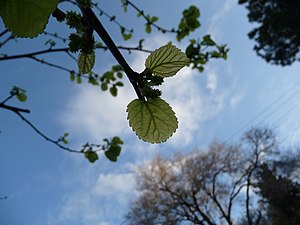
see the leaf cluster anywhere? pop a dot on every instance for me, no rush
(111, 148)
(277, 34)
(111, 80)
(200, 52)
(189, 22)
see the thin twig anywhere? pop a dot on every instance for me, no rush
(3, 32)
(7, 40)
(51, 50)
(111, 18)
(141, 12)
(56, 142)
(28, 55)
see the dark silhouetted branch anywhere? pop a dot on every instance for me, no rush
(96, 25)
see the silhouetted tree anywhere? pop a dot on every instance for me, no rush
(280, 192)
(203, 187)
(278, 34)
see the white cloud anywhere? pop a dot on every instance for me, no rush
(94, 114)
(185, 97)
(114, 185)
(212, 80)
(96, 203)
(236, 99)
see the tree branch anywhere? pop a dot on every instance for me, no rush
(57, 142)
(12, 108)
(96, 25)
(215, 198)
(3, 32)
(51, 50)
(28, 55)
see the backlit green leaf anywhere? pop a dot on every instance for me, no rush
(153, 121)
(27, 18)
(86, 62)
(166, 61)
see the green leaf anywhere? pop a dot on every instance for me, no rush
(78, 79)
(114, 91)
(119, 75)
(93, 81)
(113, 152)
(104, 86)
(119, 83)
(72, 76)
(166, 61)
(154, 19)
(27, 18)
(117, 140)
(91, 156)
(148, 28)
(153, 121)
(208, 41)
(86, 62)
(22, 97)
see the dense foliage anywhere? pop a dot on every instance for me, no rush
(277, 35)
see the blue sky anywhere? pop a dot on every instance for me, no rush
(47, 186)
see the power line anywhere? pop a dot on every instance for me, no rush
(277, 122)
(264, 110)
(277, 108)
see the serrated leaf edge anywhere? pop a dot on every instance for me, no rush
(132, 118)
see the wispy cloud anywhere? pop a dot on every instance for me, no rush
(216, 19)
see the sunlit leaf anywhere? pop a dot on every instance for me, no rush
(153, 121)
(86, 62)
(27, 18)
(166, 61)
